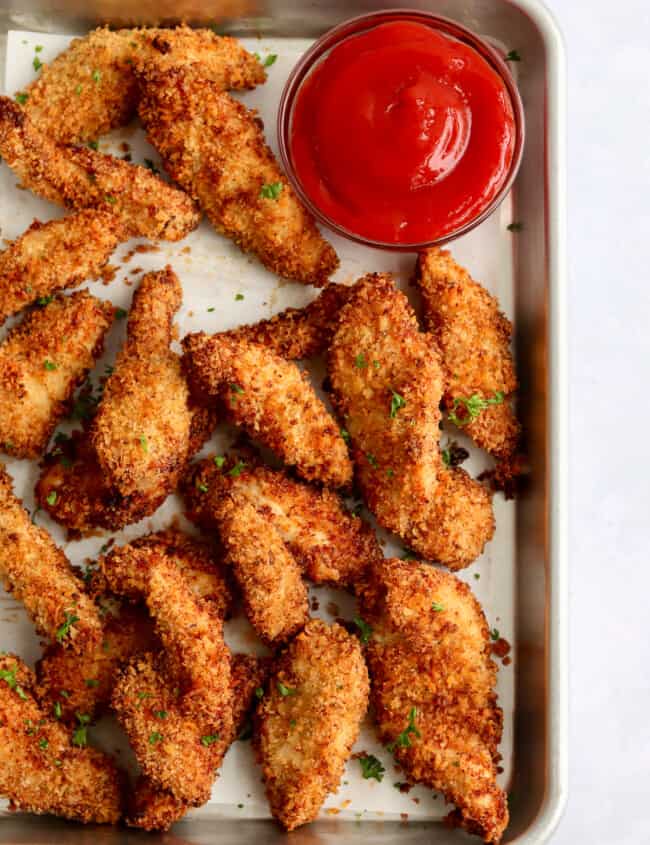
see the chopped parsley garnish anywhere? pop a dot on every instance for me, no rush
(292, 723)
(284, 690)
(360, 361)
(365, 630)
(9, 677)
(43, 743)
(80, 735)
(110, 199)
(22, 98)
(453, 455)
(106, 646)
(64, 693)
(219, 460)
(270, 60)
(473, 406)
(211, 309)
(390, 473)
(371, 767)
(78, 89)
(58, 762)
(239, 297)
(155, 737)
(345, 434)
(376, 364)
(515, 227)
(44, 300)
(94, 145)
(49, 365)
(209, 739)
(236, 471)
(144, 443)
(160, 714)
(70, 618)
(272, 191)
(371, 460)
(202, 488)
(397, 402)
(51, 497)
(513, 56)
(150, 165)
(259, 692)
(57, 710)
(38, 48)
(37, 63)
(477, 577)
(91, 683)
(143, 695)
(494, 634)
(235, 392)
(437, 606)
(120, 313)
(404, 738)
(96, 75)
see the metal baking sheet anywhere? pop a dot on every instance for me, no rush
(521, 571)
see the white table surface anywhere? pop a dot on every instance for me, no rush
(608, 48)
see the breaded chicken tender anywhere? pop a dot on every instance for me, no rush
(433, 685)
(43, 360)
(91, 87)
(39, 575)
(272, 400)
(308, 720)
(298, 332)
(78, 178)
(156, 809)
(387, 383)
(83, 683)
(214, 147)
(474, 340)
(41, 771)
(331, 545)
(55, 255)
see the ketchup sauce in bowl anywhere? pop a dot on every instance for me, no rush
(401, 129)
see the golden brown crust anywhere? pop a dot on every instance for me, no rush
(78, 177)
(43, 359)
(91, 87)
(214, 147)
(298, 332)
(331, 545)
(272, 400)
(39, 575)
(41, 771)
(433, 686)
(55, 255)
(70, 683)
(387, 382)
(474, 338)
(308, 720)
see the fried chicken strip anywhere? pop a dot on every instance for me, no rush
(474, 339)
(41, 771)
(272, 400)
(309, 720)
(43, 360)
(55, 255)
(78, 178)
(155, 809)
(91, 87)
(39, 575)
(214, 147)
(433, 687)
(331, 545)
(387, 382)
(298, 332)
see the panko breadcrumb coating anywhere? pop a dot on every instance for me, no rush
(41, 771)
(156, 809)
(298, 332)
(78, 177)
(55, 255)
(433, 683)
(73, 683)
(91, 87)
(474, 337)
(43, 359)
(308, 720)
(272, 400)
(214, 147)
(387, 383)
(38, 574)
(331, 545)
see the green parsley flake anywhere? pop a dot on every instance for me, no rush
(345, 434)
(37, 63)
(209, 739)
(144, 443)
(404, 739)
(284, 690)
(110, 199)
(270, 59)
(219, 460)
(94, 145)
(38, 48)
(22, 98)
(51, 497)
(78, 89)
(57, 710)
(143, 695)
(473, 406)
(371, 767)
(272, 191)
(371, 460)
(160, 714)
(96, 75)
(259, 692)
(236, 471)
(43, 743)
(515, 227)
(44, 300)
(365, 630)
(120, 313)
(360, 361)
(91, 683)
(9, 677)
(437, 606)
(49, 365)
(239, 297)
(64, 693)
(203, 488)
(397, 402)
(513, 56)
(210, 310)
(70, 619)
(494, 634)
(155, 737)
(80, 735)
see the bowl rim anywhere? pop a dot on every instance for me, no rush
(354, 26)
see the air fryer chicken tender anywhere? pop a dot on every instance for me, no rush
(331, 545)
(474, 341)
(41, 771)
(387, 383)
(91, 87)
(39, 575)
(214, 147)
(43, 360)
(272, 400)
(78, 177)
(433, 687)
(55, 255)
(308, 720)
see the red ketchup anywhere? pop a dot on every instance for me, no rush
(402, 134)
